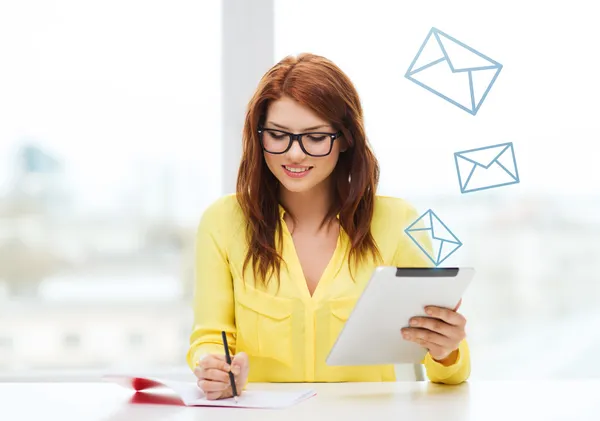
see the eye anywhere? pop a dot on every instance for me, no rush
(317, 137)
(276, 135)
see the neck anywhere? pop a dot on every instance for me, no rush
(308, 208)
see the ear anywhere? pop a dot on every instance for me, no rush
(343, 145)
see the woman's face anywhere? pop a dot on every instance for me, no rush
(287, 115)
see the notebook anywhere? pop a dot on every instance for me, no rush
(191, 395)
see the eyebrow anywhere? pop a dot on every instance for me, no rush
(305, 130)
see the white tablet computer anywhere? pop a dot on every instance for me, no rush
(372, 333)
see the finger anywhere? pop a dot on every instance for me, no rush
(435, 325)
(239, 389)
(435, 350)
(209, 356)
(458, 305)
(239, 363)
(447, 315)
(242, 357)
(204, 364)
(215, 375)
(211, 396)
(209, 386)
(213, 361)
(420, 336)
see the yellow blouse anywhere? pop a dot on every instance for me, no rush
(286, 332)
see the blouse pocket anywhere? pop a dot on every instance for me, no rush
(341, 308)
(264, 325)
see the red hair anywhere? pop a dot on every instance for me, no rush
(317, 83)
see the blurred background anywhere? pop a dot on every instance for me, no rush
(120, 123)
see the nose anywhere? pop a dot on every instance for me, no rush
(295, 153)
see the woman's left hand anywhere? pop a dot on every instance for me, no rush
(441, 332)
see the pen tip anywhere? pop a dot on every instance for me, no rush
(235, 398)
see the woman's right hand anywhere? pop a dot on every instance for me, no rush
(212, 372)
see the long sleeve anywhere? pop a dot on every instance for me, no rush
(408, 255)
(453, 374)
(213, 299)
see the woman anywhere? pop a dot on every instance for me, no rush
(281, 263)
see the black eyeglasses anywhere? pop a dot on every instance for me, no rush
(313, 143)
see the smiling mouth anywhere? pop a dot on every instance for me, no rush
(297, 170)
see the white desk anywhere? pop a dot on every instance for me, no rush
(402, 401)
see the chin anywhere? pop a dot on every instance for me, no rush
(301, 185)
(298, 187)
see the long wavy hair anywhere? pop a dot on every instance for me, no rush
(317, 83)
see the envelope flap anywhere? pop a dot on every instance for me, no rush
(441, 232)
(486, 156)
(482, 81)
(422, 223)
(429, 54)
(462, 57)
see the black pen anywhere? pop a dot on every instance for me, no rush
(228, 358)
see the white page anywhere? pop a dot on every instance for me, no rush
(191, 395)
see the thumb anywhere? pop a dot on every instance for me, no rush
(239, 362)
(458, 305)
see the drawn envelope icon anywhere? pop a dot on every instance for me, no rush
(486, 168)
(444, 242)
(453, 71)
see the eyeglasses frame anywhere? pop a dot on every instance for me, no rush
(298, 137)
